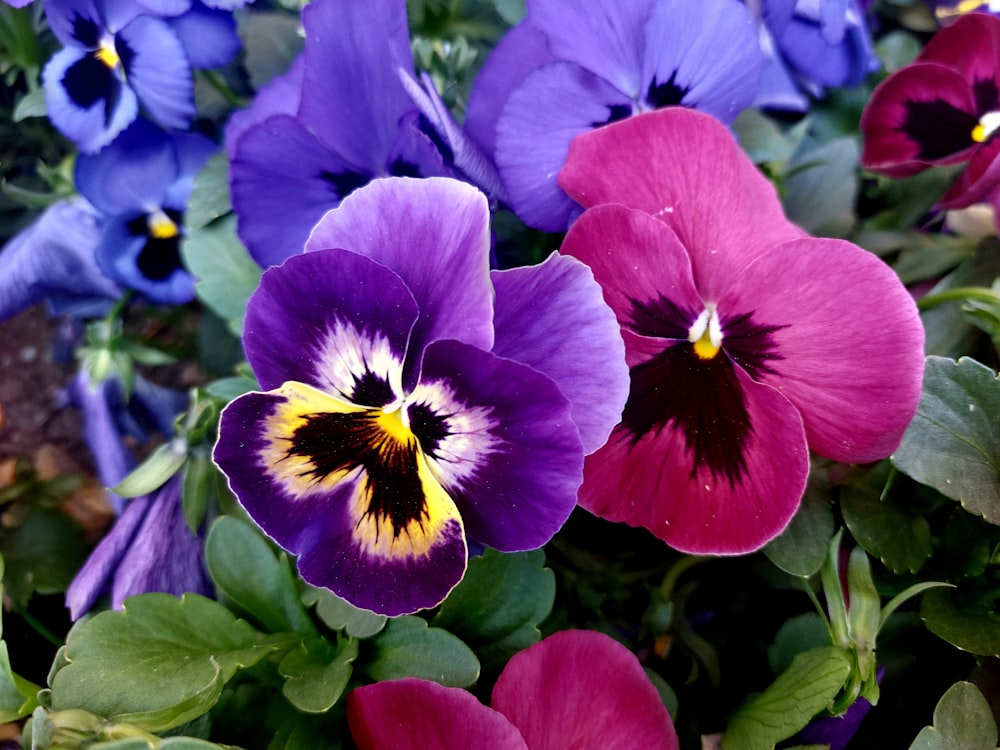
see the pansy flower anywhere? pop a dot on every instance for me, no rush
(115, 58)
(351, 121)
(413, 399)
(142, 182)
(575, 689)
(570, 67)
(949, 11)
(748, 342)
(944, 108)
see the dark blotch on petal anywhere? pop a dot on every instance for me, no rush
(616, 112)
(939, 128)
(660, 318)
(666, 94)
(159, 257)
(750, 345)
(402, 168)
(88, 81)
(336, 442)
(987, 95)
(125, 53)
(430, 428)
(372, 390)
(345, 183)
(85, 31)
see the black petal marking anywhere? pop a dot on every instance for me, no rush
(667, 93)
(85, 31)
(430, 428)
(616, 112)
(159, 257)
(939, 129)
(987, 95)
(660, 318)
(346, 182)
(372, 390)
(88, 81)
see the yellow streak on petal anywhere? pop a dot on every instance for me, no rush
(376, 535)
(704, 347)
(108, 55)
(161, 226)
(295, 471)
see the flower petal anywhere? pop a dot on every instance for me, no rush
(130, 256)
(425, 715)
(583, 690)
(434, 234)
(207, 35)
(969, 47)
(553, 318)
(684, 168)
(705, 458)
(511, 457)
(281, 96)
(553, 104)
(362, 509)
(158, 71)
(331, 319)
(977, 180)
(850, 344)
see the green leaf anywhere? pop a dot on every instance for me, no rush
(226, 273)
(953, 443)
(763, 140)
(200, 489)
(794, 637)
(971, 628)
(228, 389)
(210, 197)
(249, 573)
(408, 648)
(317, 674)
(499, 603)
(158, 663)
(31, 104)
(511, 11)
(42, 554)
(273, 40)
(152, 473)
(962, 721)
(821, 188)
(338, 614)
(807, 687)
(801, 548)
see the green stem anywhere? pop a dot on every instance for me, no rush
(673, 575)
(958, 294)
(40, 628)
(216, 81)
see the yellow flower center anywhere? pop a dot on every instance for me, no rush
(108, 55)
(706, 333)
(986, 127)
(161, 226)
(392, 421)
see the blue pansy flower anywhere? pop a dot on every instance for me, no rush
(342, 119)
(570, 67)
(141, 182)
(115, 58)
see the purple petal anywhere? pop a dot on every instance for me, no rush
(426, 715)
(606, 37)
(76, 23)
(143, 263)
(208, 36)
(434, 234)
(283, 181)
(708, 50)
(327, 319)
(166, 7)
(279, 97)
(521, 51)
(511, 458)
(541, 117)
(808, 50)
(353, 51)
(830, 297)
(159, 71)
(777, 90)
(553, 318)
(53, 260)
(193, 152)
(86, 100)
(583, 690)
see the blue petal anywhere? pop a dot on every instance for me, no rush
(159, 71)
(193, 152)
(844, 64)
(146, 265)
(207, 35)
(87, 101)
(53, 260)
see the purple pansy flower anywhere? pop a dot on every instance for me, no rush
(115, 59)
(350, 121)
(749, 342)
(576, 689)
(52, 260)
(570, 67)
(412, 398)
(142, 182)
(949, 11)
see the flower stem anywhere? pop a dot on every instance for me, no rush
(958, 294)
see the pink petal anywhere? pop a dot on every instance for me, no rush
(582, 690)
(970, 46)
(978, 180)
(684, 168)
(413, 714)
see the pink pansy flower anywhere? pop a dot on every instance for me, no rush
(942, 109)
(576, 689)
(749, 343)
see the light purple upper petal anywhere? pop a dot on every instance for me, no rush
(292, 318)
(208, 36)
(852, 346)
(434, 234)
(159, 71)
(553, 317)
(607, 37)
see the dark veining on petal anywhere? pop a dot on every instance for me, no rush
(88, 81)
(125, 53)
(85, 31)
(429, 427)
(659, 318)
(987, 95)
(346, 182)
(336, 442)
(750, 345)
(372, 390)
(667, 93)
(939, 129)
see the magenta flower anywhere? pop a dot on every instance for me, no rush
(413, 398)
(944, 108)
(576, 689)
(749, 343)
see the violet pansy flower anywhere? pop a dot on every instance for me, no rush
(413, 399)
(575, 689)
(944, 108)
(749, 343)
(115, 59)
(571, 67)
(302, 151)
(142, 182)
